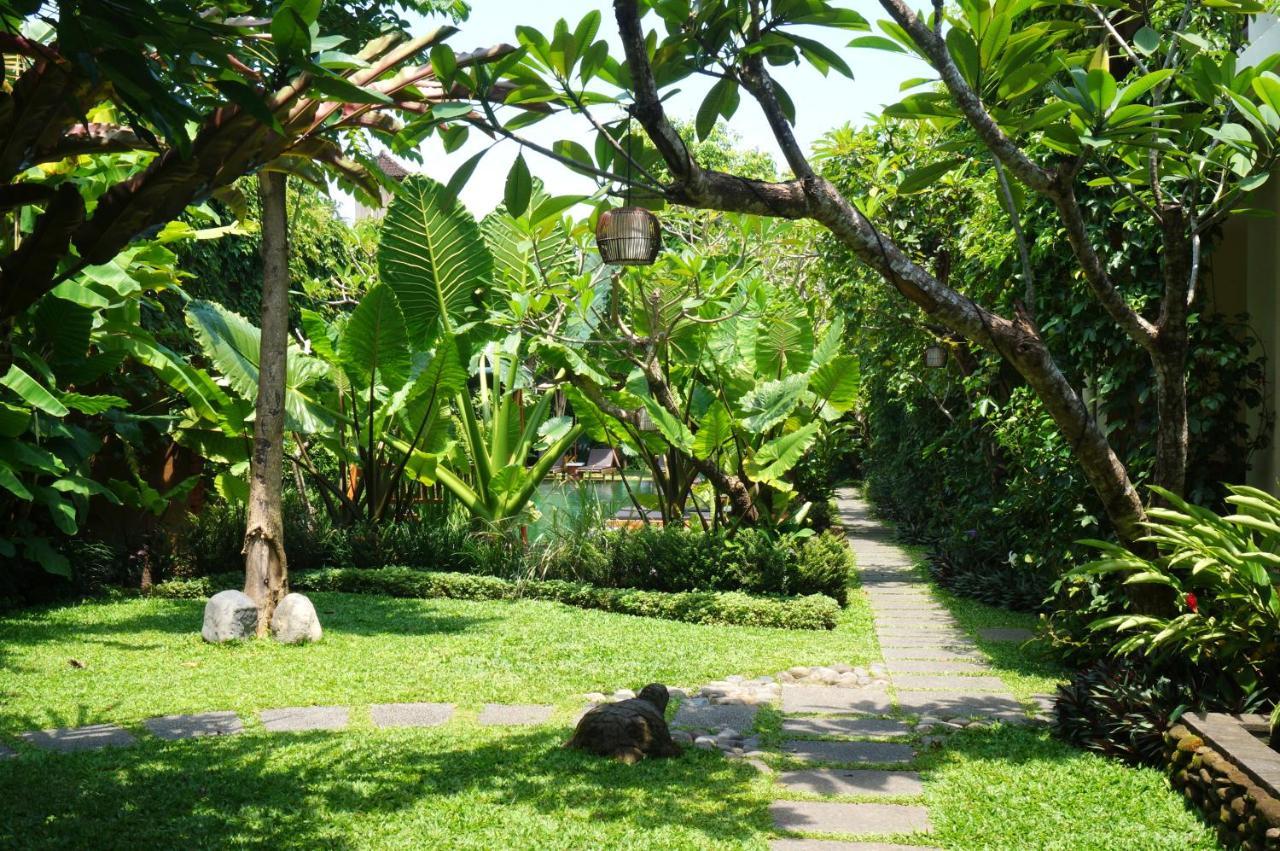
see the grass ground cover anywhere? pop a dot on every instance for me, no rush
(144, 657)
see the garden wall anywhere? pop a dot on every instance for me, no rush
(1230, 775)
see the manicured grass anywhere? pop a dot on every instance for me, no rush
(144, 657)
(1012, 789)
(457, 787)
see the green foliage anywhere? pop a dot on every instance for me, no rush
(1224, 575)
(1118, 709)
(700, 607)
(965, 459)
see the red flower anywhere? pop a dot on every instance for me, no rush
(1192, 603)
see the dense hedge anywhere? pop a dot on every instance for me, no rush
(814, 611)
(649, 559)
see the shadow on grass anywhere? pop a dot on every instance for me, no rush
(412, 788)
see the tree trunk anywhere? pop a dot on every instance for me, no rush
(265, 569)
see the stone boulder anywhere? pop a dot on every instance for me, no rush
(296, 620)
(229, 616)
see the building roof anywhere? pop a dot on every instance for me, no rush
(391, 167)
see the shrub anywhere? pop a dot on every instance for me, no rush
(1223, 578)
(677, 559)
(729, 608)
(1118, 708)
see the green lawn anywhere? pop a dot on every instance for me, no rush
(144, 657)
(461, 786)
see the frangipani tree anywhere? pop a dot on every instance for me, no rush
(1145, 99)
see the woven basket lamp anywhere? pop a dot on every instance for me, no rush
(628, 236)
(935, 357)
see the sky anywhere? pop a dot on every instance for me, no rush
(821, 103)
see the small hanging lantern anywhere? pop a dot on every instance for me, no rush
(935, 357)
(628, 236)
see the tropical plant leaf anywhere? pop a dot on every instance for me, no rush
(773, 460)
(714, 429)
(772, 402)
(375, 343)
(232, 345)
(32, 392)
(837, 382)
(432, 254)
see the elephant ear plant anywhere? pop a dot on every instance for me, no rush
(1225, 572)
(432, 254)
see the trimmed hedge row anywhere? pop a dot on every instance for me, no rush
(730, 608)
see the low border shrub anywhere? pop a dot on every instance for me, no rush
(729, 608)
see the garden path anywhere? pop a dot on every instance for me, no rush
(937, 675)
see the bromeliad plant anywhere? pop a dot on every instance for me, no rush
(1225, 571)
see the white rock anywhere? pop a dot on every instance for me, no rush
(799, 671)
(595, 697)
(680, 737)
(705, 743)
(676, 691)
(765, 680)
(841, 668)
(623, 694)
(861, 672)
(296, 620)
(228, 616)
(727, 733)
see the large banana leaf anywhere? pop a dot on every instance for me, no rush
(432, 254)
(232, 345)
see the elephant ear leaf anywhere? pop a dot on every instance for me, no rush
(232, 345)
(432, 254)
(375, 343)
(779, 455)
(837, 383)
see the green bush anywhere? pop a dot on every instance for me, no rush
(814, 611)
(675, 559)
(1220, 577)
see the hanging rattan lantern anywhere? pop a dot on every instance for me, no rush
(628, 236)
(935, 357)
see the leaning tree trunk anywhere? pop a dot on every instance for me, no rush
(265, 569)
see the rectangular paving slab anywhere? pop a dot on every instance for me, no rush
(845, 726)
(896, 654)
(945, 682)
(867, 701)
(515, 715)
(930, 621)
(816, 750)
(714, 716)
(837, 845)
(192, 726)
(410, 714)
(298, 719)
(958, 704)
(824, 817)
(853, 781)
(88, 738)
(938, 666)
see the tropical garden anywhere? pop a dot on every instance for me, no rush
(374, 403)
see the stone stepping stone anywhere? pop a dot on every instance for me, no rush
(299, 719)
(938, 666)
(853, 781)
(173, 727)
(944, 682)
(713, 716)
(940, 703)
(824, 817)
(410, 714)
(70, 739)
(514, 715)
(917, 624)
(923, 635)
(899, 654)
(995, 633)
(837, 845)
(879, 753)
(847, 726)
(867, 701)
